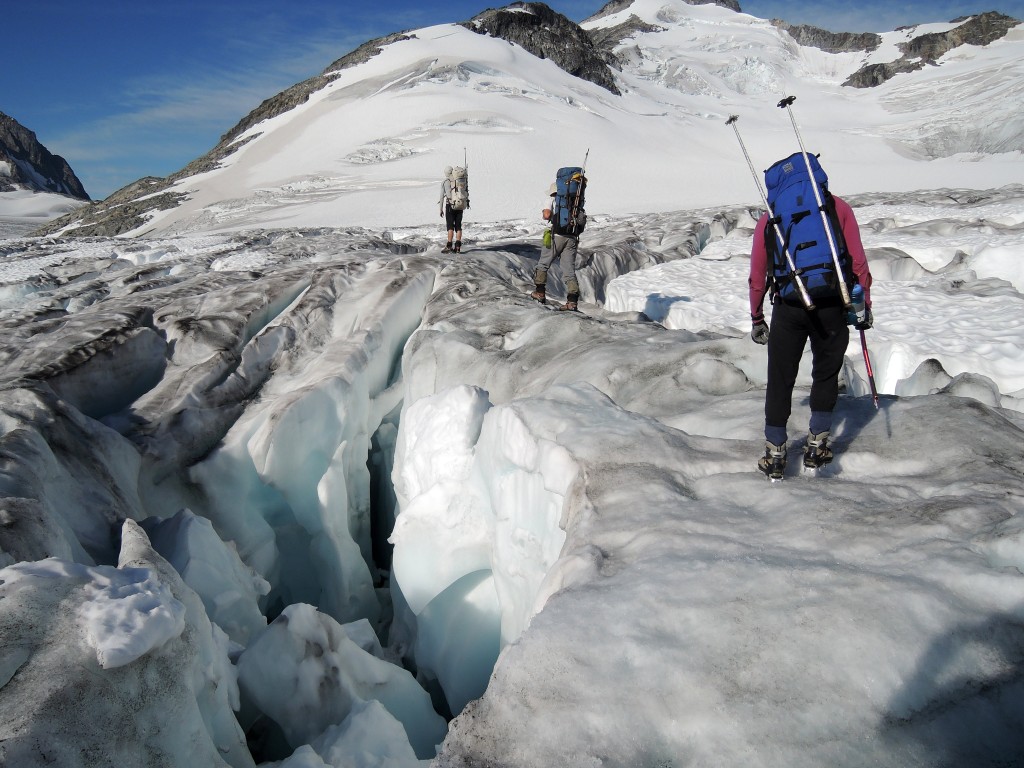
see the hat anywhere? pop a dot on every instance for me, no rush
(447, 170)
(553, 190)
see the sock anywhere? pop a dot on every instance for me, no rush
(821, 421)
(775, 435)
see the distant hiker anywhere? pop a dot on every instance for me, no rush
(801, 226)
(453, 201)
(564, 210)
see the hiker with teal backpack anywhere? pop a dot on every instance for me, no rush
(567, 217)
(810, 273)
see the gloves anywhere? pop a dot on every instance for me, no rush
(867, 322)
(759, 331)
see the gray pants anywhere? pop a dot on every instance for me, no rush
(566, 248)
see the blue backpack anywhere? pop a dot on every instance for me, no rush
(792, 201)
(567, 215)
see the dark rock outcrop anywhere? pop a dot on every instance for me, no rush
(548, 34)
(929, 48)
(830, 42)
(606, 38)
(31, 165)
(613, 6)
(976, 30)
(122, 211)
(871, 75)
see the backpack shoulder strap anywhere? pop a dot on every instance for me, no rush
(775, 258)
(837, 227)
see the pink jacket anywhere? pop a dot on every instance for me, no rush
(759, 257)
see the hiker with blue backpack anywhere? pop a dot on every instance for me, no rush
(808, 257)
(567, 217)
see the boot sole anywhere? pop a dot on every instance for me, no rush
(771, 474)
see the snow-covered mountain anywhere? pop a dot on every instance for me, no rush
(35, 185)
(27, 164)
(645, 86)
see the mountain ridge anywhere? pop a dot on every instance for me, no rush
(31, 166)
(928, 48)
(607, 52)
(548, 34)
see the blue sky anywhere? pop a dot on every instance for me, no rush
(124, 89)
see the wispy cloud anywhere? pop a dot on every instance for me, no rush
(157, 124)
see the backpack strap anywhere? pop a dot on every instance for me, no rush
(829, 205)
(574, 211)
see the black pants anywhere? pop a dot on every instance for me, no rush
(790, 329)
(452, 218)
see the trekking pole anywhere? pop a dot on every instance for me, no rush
(579, 189)
(843, 290)
(804, 296)
(867, 364)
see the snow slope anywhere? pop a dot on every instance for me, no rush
(22, 211)
(369, 148)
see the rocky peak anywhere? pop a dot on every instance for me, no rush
(27, 164)
(975, 30)
(607, 38)
(548, 34)
(614, 6)
(732, 5)
(922, 50)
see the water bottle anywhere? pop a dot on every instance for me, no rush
(858, 311)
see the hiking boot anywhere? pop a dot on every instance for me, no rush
(569, 306)
(539, 295)
(447, 248)
(816, 452)
(458, 246)
(773, 463)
